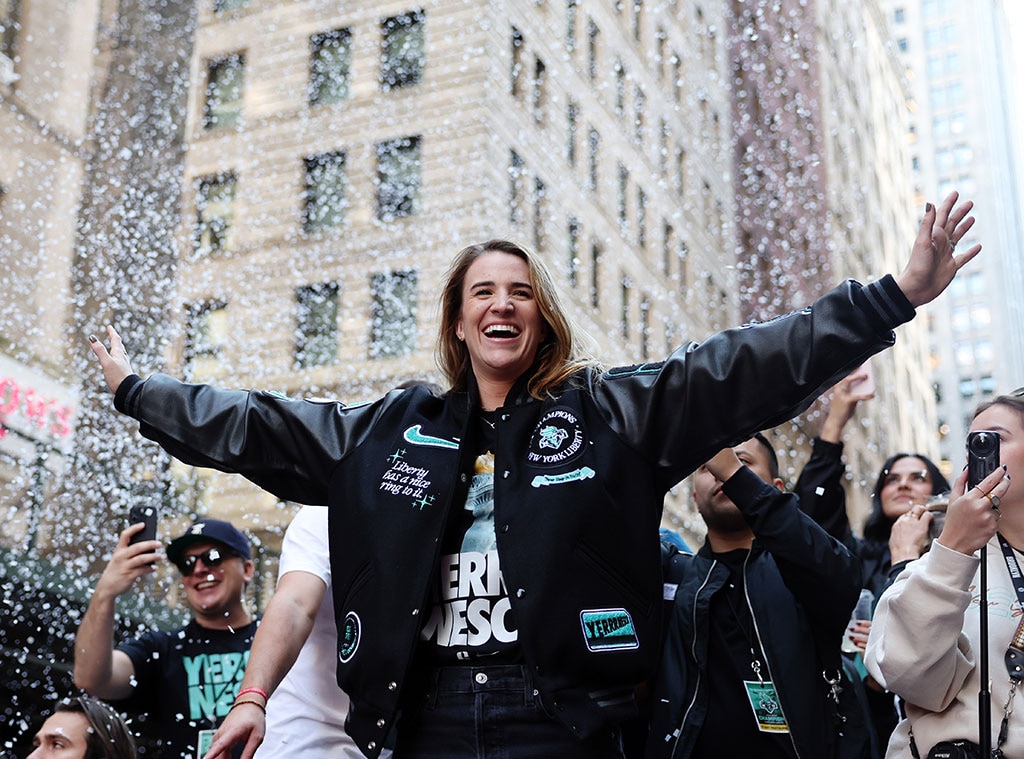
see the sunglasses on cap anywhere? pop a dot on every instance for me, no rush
(212, 558)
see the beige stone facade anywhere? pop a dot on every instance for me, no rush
(44, 110)
(632, 222)
(600, 134)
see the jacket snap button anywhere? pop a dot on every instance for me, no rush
(520, 593)
(462, 476)
(480, 677)
(381, 723)
(506, 474)
(392, 685)
(371, 745)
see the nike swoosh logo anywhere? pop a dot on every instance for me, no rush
(415, 437)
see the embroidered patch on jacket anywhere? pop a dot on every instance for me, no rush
(557, 438)
(583, 473)
(608, 629)
(348, 637)
(415, 436)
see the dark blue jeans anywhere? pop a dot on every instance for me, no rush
(489, 713)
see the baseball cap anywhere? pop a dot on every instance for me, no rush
(205, 530)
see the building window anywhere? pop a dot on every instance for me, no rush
(595, 275)
(593, 50)
(594, 152)
(677, 78)
(573, 116)
(684, 267)
(573, 268)
(624, 289)
(620, 90)
(539, 90)
(224, 84)
(516, 188)
(571, 12)
(638, 20)
(540, 194)
(393, 314)
(641, 218)
(645, 328)
(660, 56)
(623, 202)
(324, 192)
(398, 178)
(516, 72)
(10, 25)
(215, 201)
(404, 53)
(668, 243)
(316, 325)
(639, 106)
(221, 6)
(330, 62)
(207, 335)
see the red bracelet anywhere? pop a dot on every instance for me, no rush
(257, 691)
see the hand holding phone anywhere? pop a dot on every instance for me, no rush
(148, 516)
(982, 455)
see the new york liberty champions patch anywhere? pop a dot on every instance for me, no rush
(608, 629)
(348, 636)
(557, 438)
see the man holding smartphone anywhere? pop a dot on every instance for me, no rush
(186, 679)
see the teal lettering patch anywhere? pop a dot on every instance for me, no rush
(348, 637)
(608, 629)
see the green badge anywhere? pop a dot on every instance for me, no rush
(767, 709)
(205, 741)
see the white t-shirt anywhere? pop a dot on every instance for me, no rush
(306, 714)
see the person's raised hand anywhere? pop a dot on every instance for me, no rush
(845, 396)
(129, 562)
(908, 537)
(933, 259)
(115, 363)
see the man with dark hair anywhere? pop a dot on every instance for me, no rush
(186, 680)
(83, 728)
(755, 623)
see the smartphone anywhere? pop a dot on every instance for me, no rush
(147, 515)
(982, 455)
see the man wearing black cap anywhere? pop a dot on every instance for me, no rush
(186, 679)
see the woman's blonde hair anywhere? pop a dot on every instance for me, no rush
(560, 355)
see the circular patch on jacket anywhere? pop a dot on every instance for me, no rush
(556, 439)
(348, 638)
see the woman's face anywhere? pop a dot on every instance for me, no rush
(908, 482)
(1006, 422)
(500, 320)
